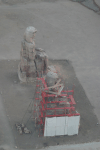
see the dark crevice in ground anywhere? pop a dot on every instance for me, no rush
(89, 4)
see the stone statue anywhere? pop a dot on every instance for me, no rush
(33, 61)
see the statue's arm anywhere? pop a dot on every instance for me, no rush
(39, 49)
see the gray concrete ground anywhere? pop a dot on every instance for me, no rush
(97, 2)
(6, 137)
(88, 146)
(66, 30)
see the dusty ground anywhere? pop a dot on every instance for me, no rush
(17, 97)
(66, 30)
(13, 2)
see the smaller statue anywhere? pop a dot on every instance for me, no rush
(54, 83)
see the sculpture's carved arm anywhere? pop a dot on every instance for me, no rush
(39, 49)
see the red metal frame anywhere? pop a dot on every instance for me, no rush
(42, 103)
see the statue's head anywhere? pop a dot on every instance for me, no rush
(31, 29)
(30, 33)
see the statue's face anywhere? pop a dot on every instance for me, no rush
(34, 35)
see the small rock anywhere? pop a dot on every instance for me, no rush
(26, 130)
(23, 125)
(16, 147)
